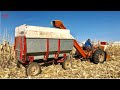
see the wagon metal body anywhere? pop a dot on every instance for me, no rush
(35, 43)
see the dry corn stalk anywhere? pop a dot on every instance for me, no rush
(6, 54)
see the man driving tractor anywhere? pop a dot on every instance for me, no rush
(88, 45)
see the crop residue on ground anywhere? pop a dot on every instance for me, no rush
(80, 69)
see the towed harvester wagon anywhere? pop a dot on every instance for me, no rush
(35, 44)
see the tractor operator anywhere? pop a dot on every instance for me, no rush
(88, 45)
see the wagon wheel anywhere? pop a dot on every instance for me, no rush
(67, 64)
(33, 69)
(99, 56)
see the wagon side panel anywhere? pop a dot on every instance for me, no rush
(36, 45)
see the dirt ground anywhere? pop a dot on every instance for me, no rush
(80, 69)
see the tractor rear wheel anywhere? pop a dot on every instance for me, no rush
(33, 69)
(67, 64)
(99, 56)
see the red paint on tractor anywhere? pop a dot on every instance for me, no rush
(79, 49)
(103, 43)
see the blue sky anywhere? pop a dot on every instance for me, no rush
(96, 25)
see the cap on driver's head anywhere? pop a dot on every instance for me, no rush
(88, 39)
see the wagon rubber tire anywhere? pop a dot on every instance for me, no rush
(30, 67)
(99, 56)
(67, 64)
